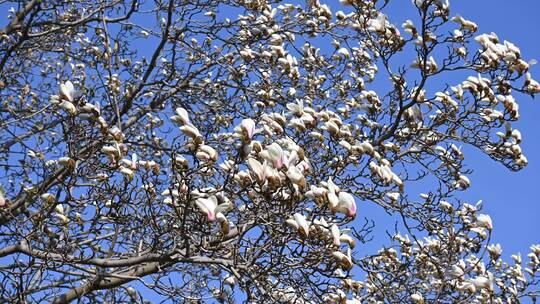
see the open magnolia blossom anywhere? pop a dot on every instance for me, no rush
(66, 98)
(484, 220)
(181, 117)
(247, 129)
(212, 209)
(67, 91)
(114, 152)
(344, 260)
(299, 223)
(274, 153)
(339, 201)
(256, 151)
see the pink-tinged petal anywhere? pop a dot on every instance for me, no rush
(259, 169)
(134, 161)
(248, 125)
(276, 155)
(335, 234)
(484, 221)
(352, 210)
(208, 207)
(346, 204)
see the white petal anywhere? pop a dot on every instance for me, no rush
(303, 225)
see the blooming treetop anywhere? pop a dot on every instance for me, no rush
(224, 151)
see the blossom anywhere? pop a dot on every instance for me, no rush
(299, 223)
(113, 152)
(258, 169)
(344, 259)
(334, 229)
(130, 174)
(211, 207)
(276, 155)
(494, 250)
(60, 214)
(130, 163)
(181, 117)
(67, 91)
(484, 221)
(465, 24)
(206, 153)
(296, 176)
(481, 282)
(191, 131)
(346, 204)
(68, 107)
(248, 128)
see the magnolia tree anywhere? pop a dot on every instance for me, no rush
(220, 151)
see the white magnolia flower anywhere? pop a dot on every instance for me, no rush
(113, 152)
(299, 223)
(346, 204)
(258, 169)
(344, 259)
(335, 235)
(191, 131)
(484, 221)
(67, 91)
(211, 207)
(276, 155)
(248, 128)
(465, 24)
(344, 52)
(349, 240)
(296, 176)
(495, 250)
(131, 163)
(68, 107)
(207, 153)
(457, 271)
(181, 117)
(482, 282)
(60, 214)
